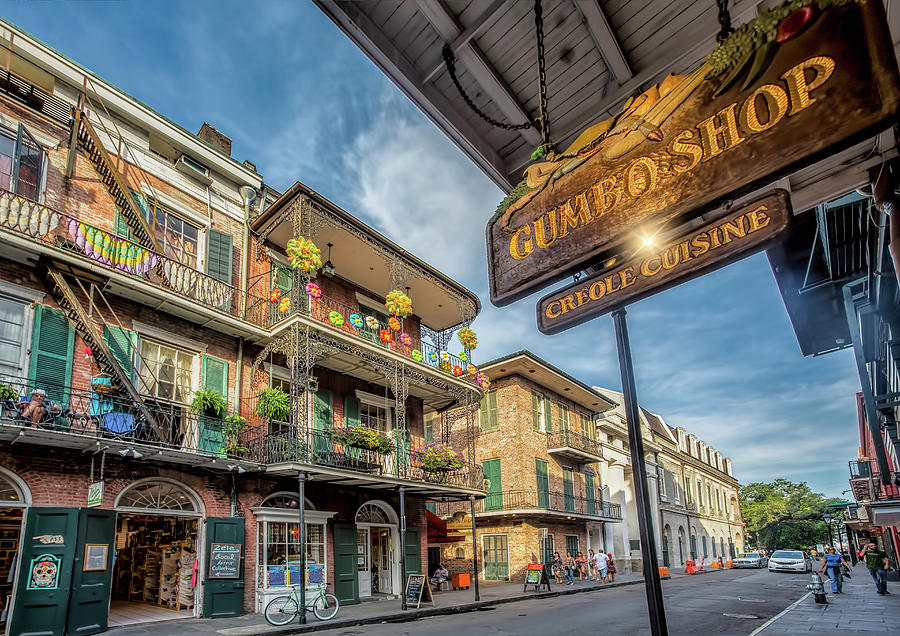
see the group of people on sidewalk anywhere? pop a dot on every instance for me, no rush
(597, 566)
(834, 565)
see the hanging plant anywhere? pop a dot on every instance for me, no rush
(416, 355)
(284, 305)
(275, 295)
(485, 382)
(398, 303)
(371, 322)
(438, 457)
(356, 321)
(304, 255)
(273, 404)
(385, 335)
(405, 339)
(471, 370)
(209, 402)
(313, 290)
(394, 324)
(462, 356)
(457, 370)
(336, 318)
(467, 338)
(361, 437)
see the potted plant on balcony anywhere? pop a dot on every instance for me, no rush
(273, 404)
(208, 402)
(361, 437)
(234, 426)
(7, 392)
(438, 458)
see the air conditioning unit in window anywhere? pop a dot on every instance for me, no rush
(193, 169)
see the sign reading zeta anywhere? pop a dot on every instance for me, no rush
(225, 561)
(736, 235)
(750, 113)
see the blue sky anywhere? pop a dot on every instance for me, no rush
(716, 355)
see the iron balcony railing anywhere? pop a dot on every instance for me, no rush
(866, 484)
(571, 439)
(520, 500)
(79, 413)
(317, 448)
(42, 224)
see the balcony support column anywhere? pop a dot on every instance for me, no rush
(402, 492)
(474, 549)
(301, 507)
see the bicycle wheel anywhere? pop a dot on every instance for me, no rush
(281, 610)
(326, 606)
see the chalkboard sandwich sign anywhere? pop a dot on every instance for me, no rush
(795, 85)
(418, 590)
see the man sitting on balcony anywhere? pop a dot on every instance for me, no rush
(38, 409)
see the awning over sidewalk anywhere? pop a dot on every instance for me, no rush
(438, 532)
(887, 514)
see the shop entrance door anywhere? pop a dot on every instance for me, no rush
(363, 562)
(381, 557)
(92, 574)
(346, 560)
(224, 593)
(10, 535)
(375, 559)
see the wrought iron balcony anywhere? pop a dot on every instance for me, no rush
(538, 502)
(572, 445)
(84, 419)
(866, 484)
(41, 224)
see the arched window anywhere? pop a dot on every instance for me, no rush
(284, 501)
(703, 541)
(460, 553)
(158, 496)
(10, 492)
(375, 512)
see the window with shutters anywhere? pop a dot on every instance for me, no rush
(21, 164)
(219, 258)
(563, 417)
(14, 316)
(166, 372)
(543, 482)
(180, 238)
(487, 415)
(587, 425)
(52, 346)
(428, 423)
(541, 409)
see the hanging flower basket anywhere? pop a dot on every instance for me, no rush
(336, 318)
(398, 303)
(313, 290)
(284, 305)
(416, 355)
(361, 437)
(405, 339)
(457, 370)
(467, 338)
(438, 458)
(385, 335)
(275, 295)
(304, 255)
(356, 321)
(394, 324)
(371, 322)
(462, 356)
(471, 370)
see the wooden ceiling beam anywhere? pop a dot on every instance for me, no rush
(605, 39)
(477, 64)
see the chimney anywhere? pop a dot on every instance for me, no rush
(212, 136)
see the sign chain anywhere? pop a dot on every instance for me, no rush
(724, 21)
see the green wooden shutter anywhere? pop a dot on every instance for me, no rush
(214, 375)
(52, 347)
(491, 470)
(492, 409)
(413, 550)
(123, 343)
(351, 410)
(543, 483)
(563, 417)
(428, 428)
(548, 415)
(323, 420)
(569, 488)
(589, 493)
(219, 259)
(483, 421)
(536, 410)
(487, 419)
(120, 226)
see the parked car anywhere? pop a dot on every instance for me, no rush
(750, 560)
(790, 561)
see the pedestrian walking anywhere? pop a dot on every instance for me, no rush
(581, 566)
(877, 563)
(569, 564)
(611, 568)
(556, 567)
(592, 567)
(833, 563)
(601, 561)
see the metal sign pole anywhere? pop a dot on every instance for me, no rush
(639, 469)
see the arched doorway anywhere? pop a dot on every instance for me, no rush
(15, 497)
(703, 540)
(693, 546)
(738, 543)
(667, 542)
(158, 543)
(378, 549)
(712, 540)
(681, 545)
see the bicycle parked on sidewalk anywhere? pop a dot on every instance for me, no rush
(281, 610)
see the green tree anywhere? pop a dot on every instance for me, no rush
(783, 513)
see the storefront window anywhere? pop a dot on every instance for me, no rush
(280, 553)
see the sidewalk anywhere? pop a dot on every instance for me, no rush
(859, 610)
(380, 611)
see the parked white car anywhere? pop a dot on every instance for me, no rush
(789, 561)
(750, 560)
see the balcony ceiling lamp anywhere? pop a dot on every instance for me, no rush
(328, 267)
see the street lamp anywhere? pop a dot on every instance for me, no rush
(827, 517)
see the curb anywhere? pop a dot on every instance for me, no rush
(464, 608)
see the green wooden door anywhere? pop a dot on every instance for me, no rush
(496, 557)
(589, 493)
(214, 375)
(52, 347)
(543, 483)
(92, 575)
(413, 551)
(491, 469)
(370, 334)
(283, 279)
(223, 597)
(346, 580)
(569, 488)
(323, 420)
(45, 572)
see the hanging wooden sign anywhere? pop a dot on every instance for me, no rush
(788, 89)
(654, 269)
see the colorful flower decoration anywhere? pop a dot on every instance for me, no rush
(445, 356)
(284, 305)
(417, 355)
(304, 255)
(485, 382)
(385, 335)
(371, 322)
(313, 290)
(457, 370)
(462, 356)
(398, 303)
(336, 318)
(432, 356)
(405, 339)
(394, 324)
(356, 321)
(275, 295)
(467, 338)
(471, 370)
